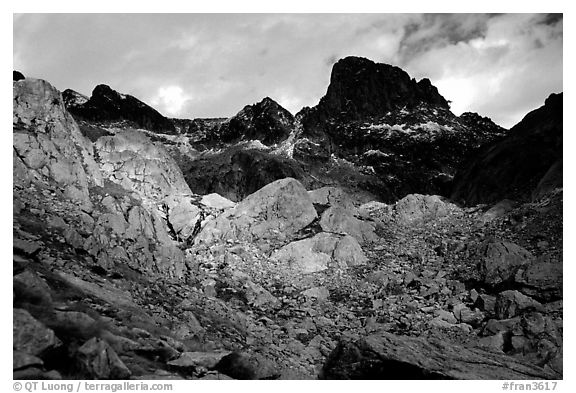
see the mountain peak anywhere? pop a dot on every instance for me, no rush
(106, 104)
(360, 88)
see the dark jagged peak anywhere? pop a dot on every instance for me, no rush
(17, 75)
(478, 123)
(266, 121)
(360, 88)
(108, 105)
(72, 98)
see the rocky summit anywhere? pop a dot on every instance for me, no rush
(374, 236)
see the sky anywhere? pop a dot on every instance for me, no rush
(212, 65)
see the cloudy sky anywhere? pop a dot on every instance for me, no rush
(211, 65)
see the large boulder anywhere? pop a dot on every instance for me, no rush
(541, 279)
(497, 261)
(417, 208)
(323, 251)
(48, 143)
(276, 211)
(386, 356)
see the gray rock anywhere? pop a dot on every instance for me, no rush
(276, 211)
(542, 279)
(317, 293)
(193, 360)
(512, 303)
(417, 208)
(333, 197)
(497, 261)
(22, 360)
(498, 210)
(320, 252)
(130, 159)
(259, 296)
(31, 336)
(27, 285)
(216, 201)
(98, 360)
(48, 141)
(342, 221)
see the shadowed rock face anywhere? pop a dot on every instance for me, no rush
(107, 105)
(513, 167)
(236, 173)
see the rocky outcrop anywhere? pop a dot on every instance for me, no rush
(134, 162)
(47, 142)
(276, 211)
(387, 356)
(107, 105)
(513, 167)
(73, 98)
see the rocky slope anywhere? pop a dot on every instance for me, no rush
(122, 270)
(527, 162)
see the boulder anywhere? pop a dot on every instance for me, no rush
(417, 208)
(541, 279)
(31, 336)
(386, 356)
(276, 211)
(97, 360)
(342, 221)
(22, 360)
(498, 261)
(498, 210)
(512, 303)
(321, 252)
(216, 201)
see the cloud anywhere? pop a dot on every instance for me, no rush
(211, 65)
(170, 99)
